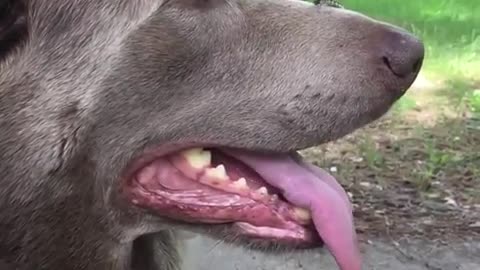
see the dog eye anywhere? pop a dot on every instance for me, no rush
(328, 3)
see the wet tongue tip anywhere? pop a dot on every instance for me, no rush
(335, 226)
(333, 221)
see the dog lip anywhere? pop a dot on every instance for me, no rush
(302, 237)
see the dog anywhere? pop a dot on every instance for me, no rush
(126, 122)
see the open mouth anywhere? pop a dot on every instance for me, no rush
(276, 197)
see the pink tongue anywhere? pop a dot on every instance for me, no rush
(308, 186)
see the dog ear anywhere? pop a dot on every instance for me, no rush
(13, 25)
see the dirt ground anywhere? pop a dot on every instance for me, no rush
(415, 173)
(388, 204)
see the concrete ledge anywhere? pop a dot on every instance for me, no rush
(202, 254)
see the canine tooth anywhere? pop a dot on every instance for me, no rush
(262, 191)
(241, 183)
(302, 213)
(219, 173)
(197, 157)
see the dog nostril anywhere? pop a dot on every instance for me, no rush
(387, 63)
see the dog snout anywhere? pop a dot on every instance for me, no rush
(402, 53)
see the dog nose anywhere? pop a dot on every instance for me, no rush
(403, 53)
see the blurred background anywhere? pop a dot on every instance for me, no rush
(416, 171)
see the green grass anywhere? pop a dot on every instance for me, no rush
(450, 30)
(432, 134)
(369, 152)
(474, 101)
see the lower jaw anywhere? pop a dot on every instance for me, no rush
(279, 232)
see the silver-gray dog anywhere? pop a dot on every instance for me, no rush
(124, 122)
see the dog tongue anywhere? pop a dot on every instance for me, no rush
(308, 186)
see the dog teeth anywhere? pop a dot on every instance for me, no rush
(262, 191)
(302, 213)
(197, 157)
(218, 173)
(241, 183)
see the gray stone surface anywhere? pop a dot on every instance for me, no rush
(203, 254)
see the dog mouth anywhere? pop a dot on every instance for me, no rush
(276, 197)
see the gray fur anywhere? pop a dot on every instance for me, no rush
(93, 83)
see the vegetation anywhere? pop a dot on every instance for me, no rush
(427, 149)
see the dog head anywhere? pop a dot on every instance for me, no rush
(121, 118)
